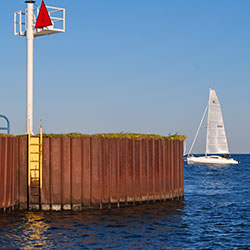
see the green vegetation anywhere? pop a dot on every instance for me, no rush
(119, 135)
(110, 136)
(6, 135)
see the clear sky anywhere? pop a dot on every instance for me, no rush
(132, 66)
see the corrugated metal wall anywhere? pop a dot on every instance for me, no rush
(93, 172)
(8, 192)
(13, 172)
(86, 172)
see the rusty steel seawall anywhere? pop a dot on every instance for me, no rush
(91, 172)
(82, 173)
(13, 172)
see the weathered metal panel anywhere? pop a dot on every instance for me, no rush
(175, 170)
(66, 172)
(177, 159)
(182, 171)
(150, 160)
(1, 174)
(143, 169)
(5, 162)
(46, 175)
(76, 163)
(140, 169)
(114, 165)
(163, 163)
(55, 164)
(3, 159)
(148, 169)
(167, 169)
(157, 170)
(7, 175)
(81, 171)
(172, 169)
(9, 171)
(179, 170)
(123, 150)
(22, 165)
(105, 170)
(160, 171)
(15, 172)
(86, 185)
(96, 171)
(137, 190)
(129, 172)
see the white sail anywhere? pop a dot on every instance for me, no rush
(216, 141)
(216, 135)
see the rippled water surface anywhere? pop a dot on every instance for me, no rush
(214, 215)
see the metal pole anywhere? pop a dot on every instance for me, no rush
(30, 39)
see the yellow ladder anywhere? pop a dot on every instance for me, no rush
(35, 169)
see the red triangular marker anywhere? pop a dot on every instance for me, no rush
(43, 19)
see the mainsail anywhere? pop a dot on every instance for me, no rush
(216, 135)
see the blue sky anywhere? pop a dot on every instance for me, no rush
(132, 66)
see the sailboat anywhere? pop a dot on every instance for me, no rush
(216, 140)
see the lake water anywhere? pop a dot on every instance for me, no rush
(215, 214)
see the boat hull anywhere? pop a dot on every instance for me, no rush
(211, 160)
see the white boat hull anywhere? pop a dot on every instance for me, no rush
(212, 159)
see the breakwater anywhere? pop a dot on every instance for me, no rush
(88, 172)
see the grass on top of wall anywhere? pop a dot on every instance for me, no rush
(6, 135)
(109, 136)
(119, 135)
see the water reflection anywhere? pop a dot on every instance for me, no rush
(34, 231)
(127, 227)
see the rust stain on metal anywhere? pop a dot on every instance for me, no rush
(3, 154)
(129, 172)
(76, 165)
(55, 164)
(168, 168)
(157, 171)
(66, 171)
(94, 171)
(86, 179)
(164, 191)
(10, 166)
(161, 171)
(15, 173)
(114, 172)
(8, 172)
(105, 171)
(22, 166)
(181, 170)
(46, 178)
(137, 183)
(123, 149)
(141, 194)
(144, 170)
(150, 152)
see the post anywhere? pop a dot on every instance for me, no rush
(25, 26)
(30, 39)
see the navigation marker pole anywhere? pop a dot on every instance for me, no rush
(46, 21)
(30, 40)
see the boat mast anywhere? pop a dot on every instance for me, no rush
(198, 130)
(208, 115)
